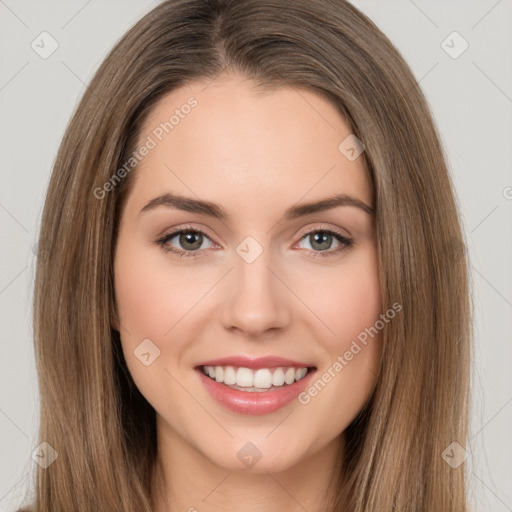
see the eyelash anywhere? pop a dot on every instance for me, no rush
(345, 242)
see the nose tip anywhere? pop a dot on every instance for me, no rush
(256, 303)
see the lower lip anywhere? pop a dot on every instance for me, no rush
(255, 402)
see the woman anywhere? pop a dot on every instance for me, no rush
(311, 349)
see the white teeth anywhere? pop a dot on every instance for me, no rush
(229, 375)
(219, 374)
(289, 376)
(278, 377)
(262, 378)
(244, 377)
(300, 372)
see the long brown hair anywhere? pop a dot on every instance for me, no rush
(394, 451)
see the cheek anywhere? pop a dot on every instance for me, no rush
(151, 295)
(345, 299)
(151, 299)
(137, 298)
(348, 303)
(356, 306)
(157, 300)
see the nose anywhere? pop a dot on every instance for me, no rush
(257, 299)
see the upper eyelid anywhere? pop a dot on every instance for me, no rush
(307, 231)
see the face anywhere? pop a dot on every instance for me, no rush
(269, 279)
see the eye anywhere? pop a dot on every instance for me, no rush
(321, 239)
(191, 240)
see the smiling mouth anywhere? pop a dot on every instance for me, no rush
(256, 380)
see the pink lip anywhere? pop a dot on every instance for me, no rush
(254, 362)
(254, 403)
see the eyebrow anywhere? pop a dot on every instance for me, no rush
(214, 210)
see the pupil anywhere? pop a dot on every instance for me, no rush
(188, 238)
(321, 238)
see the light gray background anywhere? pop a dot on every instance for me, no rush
(470, 96)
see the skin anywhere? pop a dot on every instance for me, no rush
(255, 155)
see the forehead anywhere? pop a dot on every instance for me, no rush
(231, 143)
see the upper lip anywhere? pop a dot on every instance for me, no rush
(255, 362)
